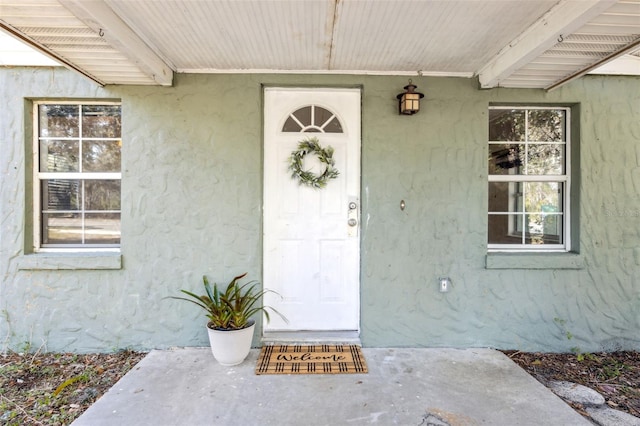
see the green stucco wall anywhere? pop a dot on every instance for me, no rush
(192, 197)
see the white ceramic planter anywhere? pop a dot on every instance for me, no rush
(231, 347)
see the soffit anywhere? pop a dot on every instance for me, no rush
(506, 43)
(612, 31)
(54, 30)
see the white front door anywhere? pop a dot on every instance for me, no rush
(311, 235)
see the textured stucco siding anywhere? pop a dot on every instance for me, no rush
(192, 200)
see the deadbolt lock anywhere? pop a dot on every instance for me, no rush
(352, 217)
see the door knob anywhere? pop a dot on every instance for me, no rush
(352, 222)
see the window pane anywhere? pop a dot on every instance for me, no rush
(61, 194)
(505, 197)
(546, 125)
(291, 125)
(506, 159)
(102, 194)
(552, 231)
(102, 228)
(533, 224)
(505, 229)
(59, 121)
(544, 229)
(543, 197)
(506, 125)
(304, 115)
(545, 159)
(101, 156)
(60, 228)
(59, 156)
(101, 121)
(333, 126)
(322, 117)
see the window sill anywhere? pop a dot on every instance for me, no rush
(70, 261)
(534, 261)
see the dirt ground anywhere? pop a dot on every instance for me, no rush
(54, 389)
(616, 375)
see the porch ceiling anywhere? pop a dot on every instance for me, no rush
(507, 43)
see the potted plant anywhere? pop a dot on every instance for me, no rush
(230, 325)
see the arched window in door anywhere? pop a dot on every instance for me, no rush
(312, 119)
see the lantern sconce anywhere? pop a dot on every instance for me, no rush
(409, 100)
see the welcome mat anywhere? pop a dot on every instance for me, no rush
(311, 359)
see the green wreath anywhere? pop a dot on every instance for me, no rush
(325, 155)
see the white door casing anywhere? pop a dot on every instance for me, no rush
(311, 249)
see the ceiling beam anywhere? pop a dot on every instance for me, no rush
(564, 18)
(98, 16)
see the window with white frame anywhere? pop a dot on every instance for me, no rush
(529, 179)
(312, 119)
(77, 174)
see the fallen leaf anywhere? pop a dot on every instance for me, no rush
(608, 389)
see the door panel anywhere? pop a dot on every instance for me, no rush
(311, 253)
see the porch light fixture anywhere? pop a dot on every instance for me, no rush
(409, 100)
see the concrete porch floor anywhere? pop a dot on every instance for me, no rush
(420, 387)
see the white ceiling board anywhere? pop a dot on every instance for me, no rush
(324, 35)
(510, 43)
(221, 35)
(431, 37)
